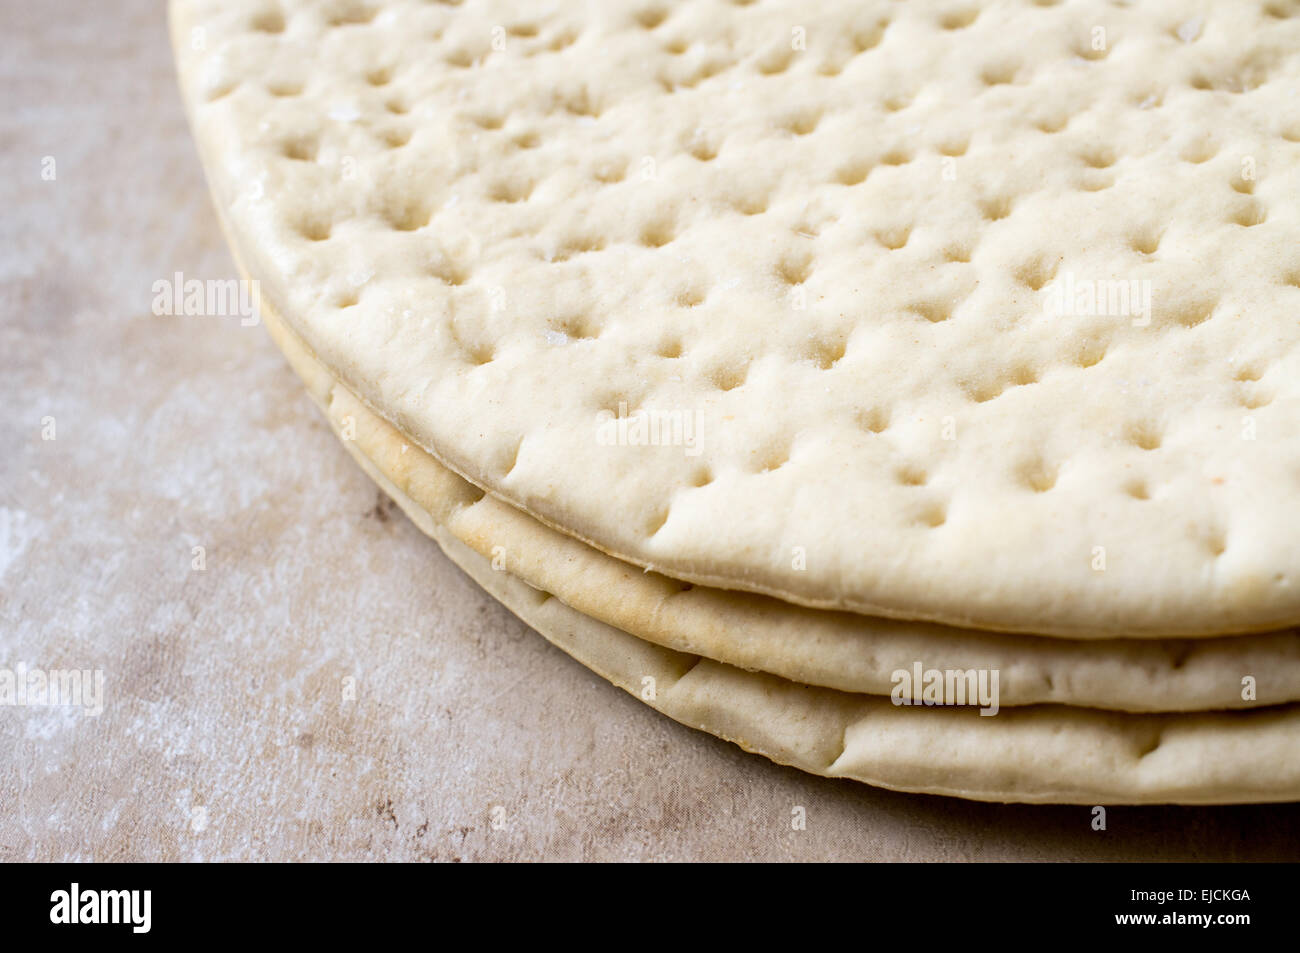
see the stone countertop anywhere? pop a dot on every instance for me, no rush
(327, 685)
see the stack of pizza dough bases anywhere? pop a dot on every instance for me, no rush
(795, 366)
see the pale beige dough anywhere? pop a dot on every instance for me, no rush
(1040, 754)
(826, 233)
(838, 650)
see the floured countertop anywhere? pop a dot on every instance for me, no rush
(269, 706)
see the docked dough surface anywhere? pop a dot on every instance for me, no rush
(982, 315)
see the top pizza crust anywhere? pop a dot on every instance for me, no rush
(980, 313)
